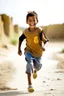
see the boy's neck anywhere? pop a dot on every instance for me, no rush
(31, 29)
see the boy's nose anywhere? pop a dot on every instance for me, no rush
(32, 22)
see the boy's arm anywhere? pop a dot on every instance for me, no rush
(43, 37)
(21, 38)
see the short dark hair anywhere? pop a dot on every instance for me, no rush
(32, 13)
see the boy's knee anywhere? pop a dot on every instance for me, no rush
(39, 67)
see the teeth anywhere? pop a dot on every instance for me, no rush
(32, 25)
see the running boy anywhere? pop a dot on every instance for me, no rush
(34, 38)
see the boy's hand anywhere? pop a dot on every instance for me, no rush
(19, 52)
(43, 49)
(46, 41)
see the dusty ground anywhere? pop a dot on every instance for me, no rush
(50, 81)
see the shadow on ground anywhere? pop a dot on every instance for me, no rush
(13, 93)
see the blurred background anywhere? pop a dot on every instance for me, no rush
(13, 22)
(50, 15)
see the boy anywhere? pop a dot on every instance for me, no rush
(34, 38)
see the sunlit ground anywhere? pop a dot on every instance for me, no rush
(50, 77)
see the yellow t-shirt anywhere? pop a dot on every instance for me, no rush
(33, 42)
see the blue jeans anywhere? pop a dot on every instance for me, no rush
(32, 62)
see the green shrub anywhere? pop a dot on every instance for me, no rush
(62, 50)
(14, 39)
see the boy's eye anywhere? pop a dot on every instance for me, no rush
(29, 20)
(32, 20)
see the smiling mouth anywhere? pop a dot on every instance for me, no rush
(32, 24)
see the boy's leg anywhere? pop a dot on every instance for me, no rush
(29, 71)
(37, 67)
(37, 63)
(30, 88)
(34, 70)
(29, 79)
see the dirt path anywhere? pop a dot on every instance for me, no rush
(50, 81)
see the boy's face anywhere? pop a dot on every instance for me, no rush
(32, 21)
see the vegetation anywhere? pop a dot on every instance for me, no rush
(14, 39)
(22, 28)
(62, 51)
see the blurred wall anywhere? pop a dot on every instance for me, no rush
(7, 28)
(16, 28)
(54, 32)
(8, 25)
(1, 28)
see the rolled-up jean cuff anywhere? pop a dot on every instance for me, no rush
(29, 68)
